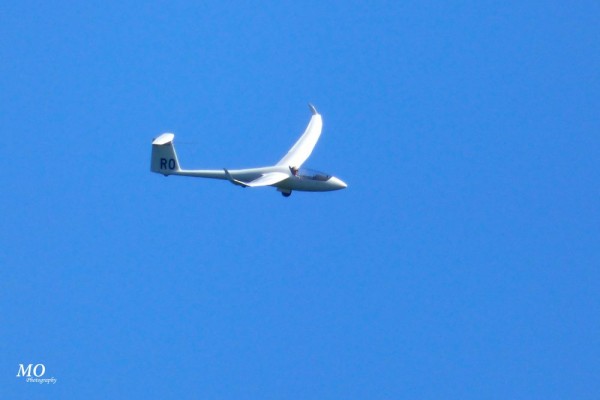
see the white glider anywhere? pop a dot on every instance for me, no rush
(287, 175)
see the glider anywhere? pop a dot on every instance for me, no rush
(287, 175)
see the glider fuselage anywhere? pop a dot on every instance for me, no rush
(304, 180)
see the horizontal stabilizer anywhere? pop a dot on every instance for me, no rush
(163, 139)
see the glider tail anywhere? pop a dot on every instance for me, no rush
(164, 158)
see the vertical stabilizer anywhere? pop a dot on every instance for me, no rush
(164, 159)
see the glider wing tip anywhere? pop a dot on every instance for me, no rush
(313, 109)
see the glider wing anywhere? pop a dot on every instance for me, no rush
(270, 178)
(305, 145)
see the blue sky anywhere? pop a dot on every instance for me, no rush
(461, 262)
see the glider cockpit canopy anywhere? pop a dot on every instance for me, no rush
(312, 174)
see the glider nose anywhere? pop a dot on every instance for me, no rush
(338, 183)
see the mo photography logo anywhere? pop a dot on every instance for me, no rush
(34, 374)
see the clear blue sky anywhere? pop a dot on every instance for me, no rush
(462, 262)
